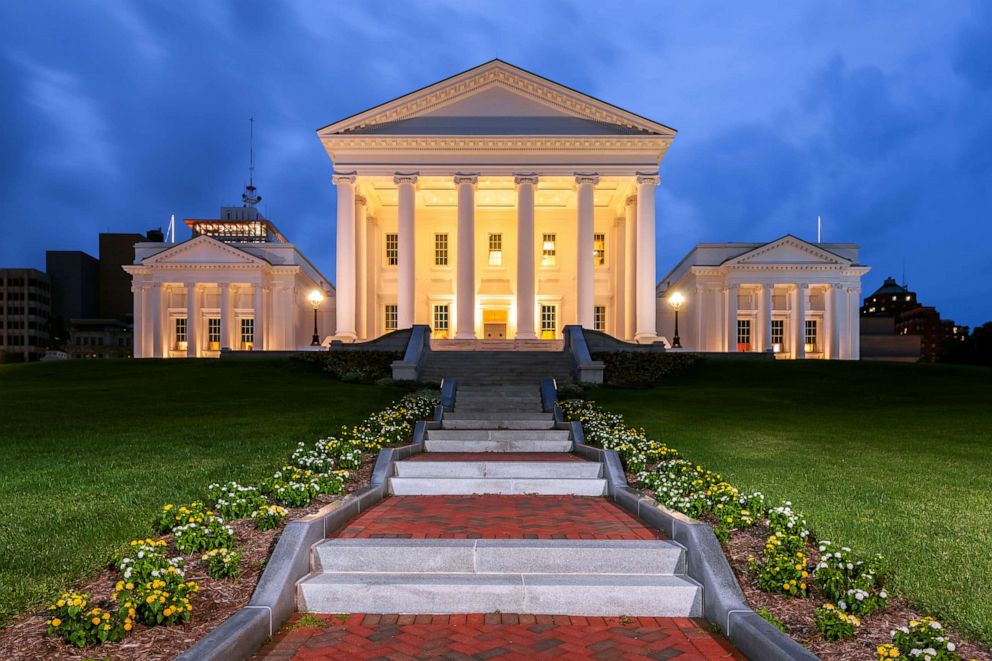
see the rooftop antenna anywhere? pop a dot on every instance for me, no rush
(819, 227)
(170, 235)
(249, 197)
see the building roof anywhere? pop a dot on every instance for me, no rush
(890, 286)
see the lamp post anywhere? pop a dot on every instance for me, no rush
(676, 300)
(315, 298)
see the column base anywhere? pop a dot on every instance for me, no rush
(525, 336)
(465, 336)
(345, 336)
(646, 338)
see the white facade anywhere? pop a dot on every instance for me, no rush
(791, 297)
(193, 298)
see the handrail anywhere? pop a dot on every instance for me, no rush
(586, 370)
(408, 368)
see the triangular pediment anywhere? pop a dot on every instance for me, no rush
(788, 250)
(203, 250)
(496, 98)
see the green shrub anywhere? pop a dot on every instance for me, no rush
(222, 563)
(268, 517)
(355, 365)
(642, 368)
(833, 623)
(71, 619)
(570, 391)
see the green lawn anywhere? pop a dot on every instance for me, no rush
(887, 458)
(90, 451)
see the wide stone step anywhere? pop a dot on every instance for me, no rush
(498, 435)
(439, 486)
(497, 446)
(493, 416)
(497, 423)
(499, 469)
(499, 556)
(540, 594)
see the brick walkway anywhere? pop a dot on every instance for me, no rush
(497, 636)
(495, 456)
(497, 517)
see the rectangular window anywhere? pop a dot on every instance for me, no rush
(213, 334)
(743, 334)
(440, 250)
(392, 249)
(549, 322)
(495, 250)
(778, 334)
(392, 316)
(441, 315)
(599, 318)
(180, 331)
(549, 256)
(811, 335)
(247, 334)
(599, 249)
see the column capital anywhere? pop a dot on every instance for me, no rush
(525, 178)
(344, 178)
(360, 199)
(648, 178)
(406, 178)
(586, 178)
(630, 201)
(466, 178)
(802, 285)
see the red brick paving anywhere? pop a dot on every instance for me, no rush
(495, 456)
(497, 636)
(497, 517)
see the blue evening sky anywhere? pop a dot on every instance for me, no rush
(876, 115)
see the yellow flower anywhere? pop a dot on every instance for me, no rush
(893, 652)
(60, 603)
(56, 622)
(95, 620)
(127, 626)
(129, 585)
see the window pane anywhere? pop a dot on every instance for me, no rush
(811, 335)
(440, 249)
(392, 249)
(599, 318)
(391, 317)
(549, 255)
(599, 249)
(213, 330)
(743, 334)
(495, 250)
(441, 313)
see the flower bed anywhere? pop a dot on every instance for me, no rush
(149, 585)
(842, 597)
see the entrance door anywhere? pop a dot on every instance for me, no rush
(494, 324)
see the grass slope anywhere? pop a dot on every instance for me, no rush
(887, 458)
(90, 451)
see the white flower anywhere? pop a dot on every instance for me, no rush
(883, 594)
(951, 647)
(935, 625)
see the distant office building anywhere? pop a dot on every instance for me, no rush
(75, 278)
(880, 342)
(25, 308)
(908, 318)
(99, 338)
(889, 300)
(934, 332)
(117, 250)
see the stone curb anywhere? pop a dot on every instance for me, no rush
(274, 599)
(723, 600)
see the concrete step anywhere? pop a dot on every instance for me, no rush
(498, 435)
(543, 594)
(494, 416)
(499, 556)
(497, 446)
(497, 423)
(514, 486)
(499, 469)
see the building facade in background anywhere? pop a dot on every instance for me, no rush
(237, 284)
(75, 280)
(25, 311)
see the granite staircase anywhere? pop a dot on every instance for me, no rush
(523, 368)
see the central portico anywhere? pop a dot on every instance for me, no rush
(496, 205)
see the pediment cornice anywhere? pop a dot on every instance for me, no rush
(819, 256)
(172, 257)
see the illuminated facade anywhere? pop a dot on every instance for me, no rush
(496, 204)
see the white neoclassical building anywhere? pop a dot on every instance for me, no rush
(790, 297)
(237, 284)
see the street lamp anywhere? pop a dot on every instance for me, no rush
(315, 298)
(676, 300)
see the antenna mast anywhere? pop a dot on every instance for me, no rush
(250, 198)
(170, 236)
(818, 228)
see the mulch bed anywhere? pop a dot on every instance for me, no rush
(27, 639)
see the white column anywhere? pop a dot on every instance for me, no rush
(646, 283)
(192, 320)
(832, 330)
(345, 286)
(697, 307)
(226, 317)
(374, 256)
(854, 321)
(766, 317)
(138, 326)
(465, 281)
(799, 321)
(526, 328)
(153, 309)
(361, 267)
(585, 281)
(629, 268)
(406, 273)
(258, 343)
(731, 317)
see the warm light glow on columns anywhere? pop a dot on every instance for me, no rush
(226, 314)
(361, 278)
(766, 318)
(258, 341)
(830, 302)
(799, 321)
(345, 286)
(525, 256)
(585, 184)
(465, 283)
(731, 318)
(192, 320)
(646, 312)
(153, 308)
(406, 274)
(140, 321)
(629, 267)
